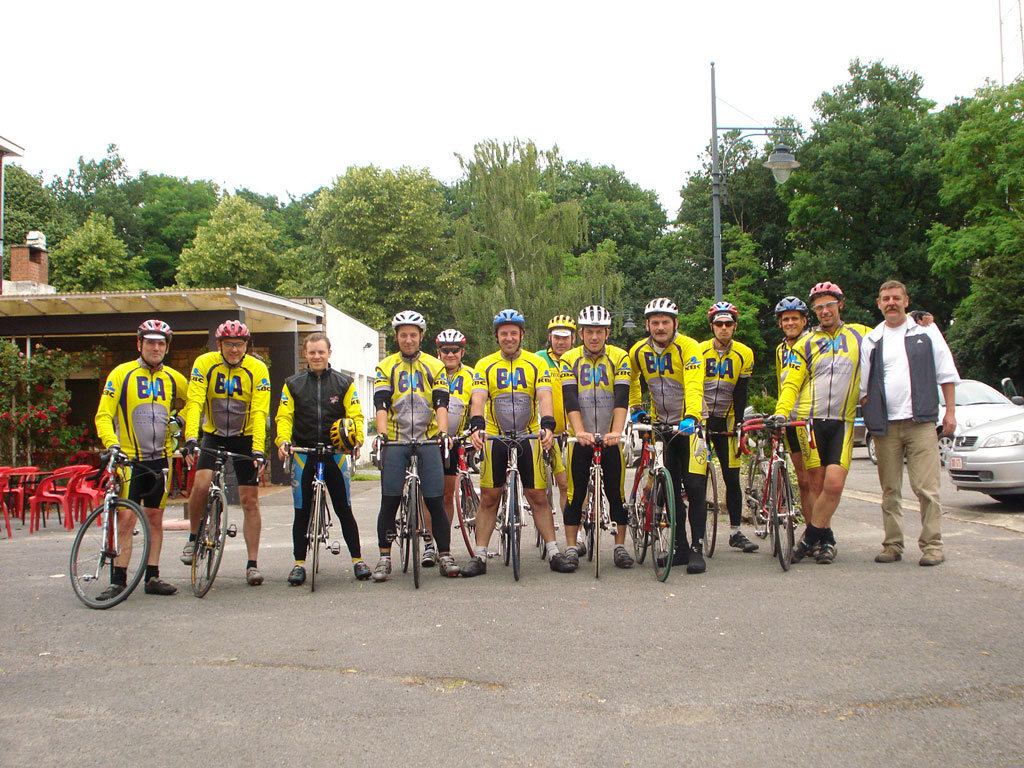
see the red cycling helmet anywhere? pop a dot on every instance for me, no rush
(722, 308)
(232, 329)
(155, 329)
(826, 289)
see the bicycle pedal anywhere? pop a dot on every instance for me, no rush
(335, 547)
(232, 531)
(492, 554)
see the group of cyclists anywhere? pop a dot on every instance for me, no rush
(579, 386)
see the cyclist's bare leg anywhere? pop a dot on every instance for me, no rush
(197, 498)
(571, 531)
(156, 533)
(832, 491)
(542, 517)
(248, 495)
(562, 480)
(450, 483)
(125, 525)
(803, 483)
(487, 513)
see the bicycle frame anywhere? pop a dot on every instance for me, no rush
(408, 534)
(595, 489)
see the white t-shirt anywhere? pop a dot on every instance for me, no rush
(897, 373)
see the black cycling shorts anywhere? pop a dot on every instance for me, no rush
(245, 471)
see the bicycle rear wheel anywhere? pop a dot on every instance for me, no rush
(663, 523)
(711, 531)
(314, 534)
(636, 518)
(210, 540)
(97, 548)
(782, 514)
(415, 517)
(753, 493)
(467, 504)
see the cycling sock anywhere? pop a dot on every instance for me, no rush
(152, 572)
(481, 552)
(119, 576)
(193, 536)
(250, 564)
(735, 529)
(356, 560)
(813, 535)
(300, 562)
(827, 536)
(551, 547)
(571, 549)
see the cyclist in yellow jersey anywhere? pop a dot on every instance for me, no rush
(671, 366)
(560, 340)
(230, 391)
(411, 400)
(312, 402)
(132, 417)
(727, 367)
(791, 314)
(595, 380)
(512, 394)
(829, 358)
(451, 349)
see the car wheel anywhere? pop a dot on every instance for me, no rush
(945, 446)
(869, 441)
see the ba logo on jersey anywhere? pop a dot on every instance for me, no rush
(150, 389)
(656, 364)
(511, 379)
(718, 369)
(263, 386)
(226, 386)
(413, 382)
(109, 390)
(456, 385)
(593, 375)
(790, 359)
(838, 344)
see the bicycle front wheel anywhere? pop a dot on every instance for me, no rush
(711, 534)
(663, 523)
(314, 535)
(415, 519)
(468, 503)
(782, 515)
(101, 545)
(600, 511)
(514, 516)
(636, 519)
(210, 541)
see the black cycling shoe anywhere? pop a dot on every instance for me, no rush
(297, 577)
(155, 586)
(559, 562)
(739, 541)
(110, 592)
(801, 550)
(361, 570)
(477, 567)
(696, 564)
(681, 557)
(622, 558)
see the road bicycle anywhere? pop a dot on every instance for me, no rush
(769, 490)
(651, 508)
(115, 535)
(711, 496)
(551, 491)
(467, 500)
(509, 520)
(318, 530)
(596, 512)
(214, 529)
(409, 524)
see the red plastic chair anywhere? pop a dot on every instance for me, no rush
(84, 496)
(52, 489)
(19, 479)
(4, 479)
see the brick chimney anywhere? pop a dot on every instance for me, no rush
(31, 262)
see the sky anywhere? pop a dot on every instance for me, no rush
(281, 98)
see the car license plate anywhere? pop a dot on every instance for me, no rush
(955, 462)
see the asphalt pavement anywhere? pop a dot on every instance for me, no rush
(849, 664)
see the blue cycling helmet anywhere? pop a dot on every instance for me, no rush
(509, 317)
(791, 304)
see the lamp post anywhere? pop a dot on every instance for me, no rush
(781, 162)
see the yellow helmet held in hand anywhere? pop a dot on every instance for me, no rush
(343, 435)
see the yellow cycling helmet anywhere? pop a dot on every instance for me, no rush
(343, 435)
(561, 321)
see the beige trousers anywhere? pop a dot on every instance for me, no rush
(920, 445)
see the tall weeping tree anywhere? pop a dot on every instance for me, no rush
(521, 243)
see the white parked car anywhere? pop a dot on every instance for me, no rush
(990, 459)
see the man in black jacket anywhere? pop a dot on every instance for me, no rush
(311, 402)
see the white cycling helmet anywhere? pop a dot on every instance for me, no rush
(661, 306)
(595, 315)
(409, 317)
(450, 336)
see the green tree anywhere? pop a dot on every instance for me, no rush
(93, 258)
(380, 236)
(234, 247)
(171, 212)
(28, 205)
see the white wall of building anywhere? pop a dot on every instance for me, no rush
(355, 350)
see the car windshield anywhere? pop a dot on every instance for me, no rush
(970, 392)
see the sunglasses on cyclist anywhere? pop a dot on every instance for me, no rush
(826, 305)
(449, 350)
(723, 323)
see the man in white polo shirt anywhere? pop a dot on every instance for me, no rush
(903, 364)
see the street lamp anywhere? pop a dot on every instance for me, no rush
(781, 162)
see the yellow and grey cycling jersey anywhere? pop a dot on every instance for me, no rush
(460, 391)
(722, 371)
(134, 409)
(511, 387)
(409, 389)
(831, 362)
(595, 386)
(555, 365)
(234, 400)
(785, 361)
(674, 376)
